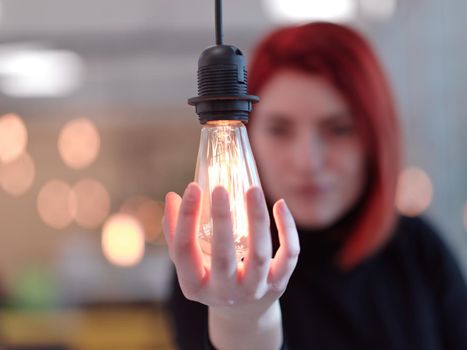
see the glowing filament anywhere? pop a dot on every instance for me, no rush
(225, 159)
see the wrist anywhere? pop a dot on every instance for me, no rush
(241, 329)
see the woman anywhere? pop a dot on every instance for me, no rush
(326, 139)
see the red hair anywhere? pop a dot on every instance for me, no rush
(345, 58)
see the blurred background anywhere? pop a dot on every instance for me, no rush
(95, 129)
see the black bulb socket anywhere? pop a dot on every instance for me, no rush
(222, 85)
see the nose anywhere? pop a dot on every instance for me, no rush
(309, 154)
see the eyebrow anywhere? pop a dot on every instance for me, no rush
(277, 118)
(274, 117)
(344, 115)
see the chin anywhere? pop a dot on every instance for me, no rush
(314, 222)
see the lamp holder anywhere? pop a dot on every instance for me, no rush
(222, 81)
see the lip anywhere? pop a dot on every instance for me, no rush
(312, 190)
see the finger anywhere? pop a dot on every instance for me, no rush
(169, 220)
(286, 256)
(186, 251)
(223, 261)
(259, 240)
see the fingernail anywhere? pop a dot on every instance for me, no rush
(166, 201)
(256, 195)
(190, 191)
(285, 207)
(259, 196)
(220, 194)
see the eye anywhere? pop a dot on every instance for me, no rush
(339, 128)
(278, 130)
(345, 129)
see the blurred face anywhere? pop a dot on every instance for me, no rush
(307, 148)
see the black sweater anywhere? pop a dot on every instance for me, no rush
(410, 295)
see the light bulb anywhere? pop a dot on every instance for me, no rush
(225, 159)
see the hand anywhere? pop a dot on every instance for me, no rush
(250, 286)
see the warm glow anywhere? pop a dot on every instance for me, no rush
(225, 170)
(148, 213)
(123, 240)
(222, 173)
(92, 203)
(309, 10)
(378, 10)
(79, 143)
(13, 137)
(225, 159)
(17, 176)
(414, 192)
(56, 204)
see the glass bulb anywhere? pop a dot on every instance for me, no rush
(225, 159)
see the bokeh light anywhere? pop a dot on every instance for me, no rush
(149, 213)
(33, 286)
(56, 204)
(379, 10)
(123, 240)
(310, 10)
(17, 176)
(13, 137)
(39, 72)
(414, 192)
(92, 203)
(79, 143)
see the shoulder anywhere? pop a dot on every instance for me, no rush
(417, 244)
(418, 227)
(420, 236)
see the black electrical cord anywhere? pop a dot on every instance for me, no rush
(219, 29)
